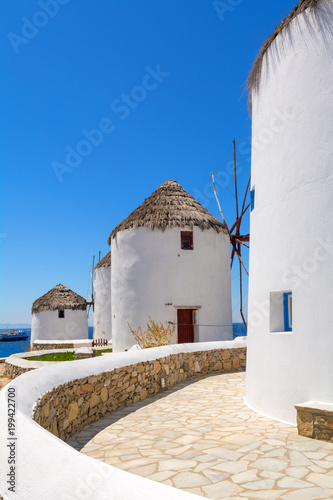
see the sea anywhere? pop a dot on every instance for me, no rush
(8, 348)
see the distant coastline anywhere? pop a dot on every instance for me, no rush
(4, 326)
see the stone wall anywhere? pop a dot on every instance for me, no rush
(315, 420)
(12, 371)
(66, 409)
(37, 346)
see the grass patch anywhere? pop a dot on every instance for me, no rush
(57, 356)
(99, 352)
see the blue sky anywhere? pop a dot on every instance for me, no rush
(102, 102)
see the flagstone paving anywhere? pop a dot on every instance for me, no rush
(202, 438)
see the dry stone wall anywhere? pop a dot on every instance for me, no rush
(37, 346)
(66, 409)
(13, 371)
(315, 422)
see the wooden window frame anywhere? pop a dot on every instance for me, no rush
(182, 242)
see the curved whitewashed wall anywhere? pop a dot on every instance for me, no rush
(46, 325)
(151, 275)
(292, 223)
(102, 306)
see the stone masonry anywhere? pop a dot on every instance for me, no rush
(12, 371)
(66, 409)
(315, 420)
(37, 346)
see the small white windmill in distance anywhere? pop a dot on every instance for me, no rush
(236, 238)
(91, 297)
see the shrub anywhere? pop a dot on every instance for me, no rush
(155, 335)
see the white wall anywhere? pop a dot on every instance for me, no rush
(149, 270)
(292, 223)
(46, 325)
(102, 306)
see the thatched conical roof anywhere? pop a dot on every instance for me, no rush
(105, 262)
(253, 80)
(169, 206)
(60, 297)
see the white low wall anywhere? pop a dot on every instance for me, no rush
(49, 468)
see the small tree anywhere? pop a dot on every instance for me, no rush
(155, 335)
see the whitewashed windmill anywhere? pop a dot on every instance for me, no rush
(170, 261)
(102, 301)
(290, 341)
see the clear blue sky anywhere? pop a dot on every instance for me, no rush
(179, 69)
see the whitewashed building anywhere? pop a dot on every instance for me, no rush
(171, 262)
(290, 340)
(60, 314)
(102, 303)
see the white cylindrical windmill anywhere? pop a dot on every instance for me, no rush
(102, 301)
(171, 262)
(290, 341)
(60, 314)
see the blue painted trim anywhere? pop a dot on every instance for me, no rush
(252, 196)
(287, 328)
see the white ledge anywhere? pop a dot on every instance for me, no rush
(315, 406)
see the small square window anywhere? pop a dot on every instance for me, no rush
(281, 314)
(186, 238)
(61, 314)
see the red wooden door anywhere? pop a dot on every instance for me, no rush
(185, 326)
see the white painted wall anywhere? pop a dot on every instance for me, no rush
(50, 469)
(150, 270)
(292, 223)
(46, 325)
(102, 306)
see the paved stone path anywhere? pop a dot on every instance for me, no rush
(202, 438)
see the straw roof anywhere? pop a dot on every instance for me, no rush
(60, 297)
(169, 206)
(253, 80)
(105, 262)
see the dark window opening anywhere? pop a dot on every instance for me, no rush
(186, 240)
(61, 314)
